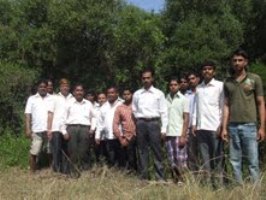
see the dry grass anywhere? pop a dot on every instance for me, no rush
(110, 184)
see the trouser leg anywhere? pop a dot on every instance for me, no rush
(154, 133)
(143, 150)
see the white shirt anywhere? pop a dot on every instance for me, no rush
(105, 122)
(150, 103)
(191, 97)
(209, 101)
(58, 109)
(81, 113)
(68, 97)
(177, 106)
(37, 107)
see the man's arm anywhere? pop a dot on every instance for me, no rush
(226, 112)
(261, 108)
(163, 113)
(28, 125)
(49, 124)
(116, 123)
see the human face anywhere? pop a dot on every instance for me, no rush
(79, 93)
(112, 95)
(173, 87)
(147, 79)
(183, 84)
(193, 81)
(90, 97)
(42, 89)
(239, 63)
(50, 87)
(64, 89)
(101, 99)
(127, 96)
(208, 73)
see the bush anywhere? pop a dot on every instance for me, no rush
(14, 150)
(15, 85)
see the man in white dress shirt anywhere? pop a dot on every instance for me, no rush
(36, 114)
(150, 110)
(58, 144)
(207, 119)
(79, 122)
(105, 126)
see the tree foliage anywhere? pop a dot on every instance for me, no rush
(103, 42)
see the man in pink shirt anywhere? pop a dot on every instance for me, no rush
(125, 130)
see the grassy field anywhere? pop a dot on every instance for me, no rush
(103, 183)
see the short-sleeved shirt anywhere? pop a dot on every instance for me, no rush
(38, 107)
(177, 106)
(242, 98)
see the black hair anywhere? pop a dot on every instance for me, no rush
(173, 78)
(41, 81)
(208, 63)
(192, 73)
(240, 52)
(127, 88)
(148, 69)
(112, 87)
(78, 85)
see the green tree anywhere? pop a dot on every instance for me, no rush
(199, 30)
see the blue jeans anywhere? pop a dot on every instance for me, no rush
(243, 144)
(212, 155)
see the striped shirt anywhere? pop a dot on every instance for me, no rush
(123, 124)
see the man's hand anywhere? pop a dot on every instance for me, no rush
(67, 136)
(193, 130)
(182, 140)
(28, 134)
(49, 135)
(261, 135)
(91, 133)
(97, 141)
(123, 141)
(163, 137)
(224, 135)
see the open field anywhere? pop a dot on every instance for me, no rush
(109, 184)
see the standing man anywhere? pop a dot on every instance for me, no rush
(50, 87)
(207, 120)
(105, 126)
(125, 130)
(79, 122)
(243, 98)
(100, 147)
(183, 84)
(36, 114)
(193, 81)
(150, 110)
(176, 135)
(58, 144)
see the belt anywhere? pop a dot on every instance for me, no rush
(78, 125)
(149, 119)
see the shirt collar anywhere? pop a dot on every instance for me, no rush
(177, 95)
(151, 90)
(211, 83)
(82, 102)
(39, 96)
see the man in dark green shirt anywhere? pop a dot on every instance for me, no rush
(243, 106)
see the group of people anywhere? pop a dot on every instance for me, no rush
(193, 120)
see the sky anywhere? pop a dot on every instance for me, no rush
(148, 5)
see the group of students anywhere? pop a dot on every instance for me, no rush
(193, 120)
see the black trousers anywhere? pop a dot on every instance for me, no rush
(78, 146)
(59, 148)
(114, 153)
(149, 135)
(129, 156)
